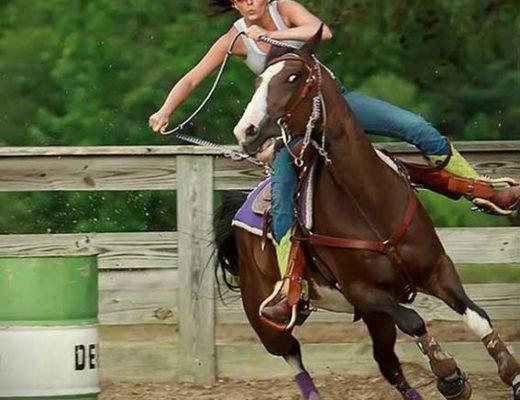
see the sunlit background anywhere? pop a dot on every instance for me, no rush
(89, 73)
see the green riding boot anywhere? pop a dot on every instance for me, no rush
(458, 178)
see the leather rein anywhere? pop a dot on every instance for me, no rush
(389, 246)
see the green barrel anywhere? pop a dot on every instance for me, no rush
(48, 328)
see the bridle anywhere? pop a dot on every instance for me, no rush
(314, 80)
(285, 136)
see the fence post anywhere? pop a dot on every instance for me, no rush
(196, 344)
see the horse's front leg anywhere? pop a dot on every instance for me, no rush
(451, 382)
(448, 287)
(383, 333)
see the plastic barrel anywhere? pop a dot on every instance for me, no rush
(48, 328)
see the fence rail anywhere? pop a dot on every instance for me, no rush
(155, 168)
(162, 279)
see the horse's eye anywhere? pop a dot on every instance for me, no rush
(292, 78)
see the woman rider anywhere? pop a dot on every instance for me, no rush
(289, 21)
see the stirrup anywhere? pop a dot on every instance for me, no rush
(486, 206)
(294, 310)
(489, 207)
(493, 181)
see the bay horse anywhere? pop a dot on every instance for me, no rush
(356, 196)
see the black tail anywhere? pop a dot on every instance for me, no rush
(227, 251)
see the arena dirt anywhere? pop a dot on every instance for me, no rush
(332, 387)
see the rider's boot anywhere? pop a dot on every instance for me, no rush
(458, 178)
(291, 262)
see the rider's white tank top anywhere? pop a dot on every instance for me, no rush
(256, 58)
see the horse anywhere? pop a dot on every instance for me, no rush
(357, 196)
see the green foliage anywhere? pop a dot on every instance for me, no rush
(76, 72)
(74, 212)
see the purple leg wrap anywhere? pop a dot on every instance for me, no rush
(412, 394)
(306, 386)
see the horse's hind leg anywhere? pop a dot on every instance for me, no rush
(448, 287)
(451, 382)
(383, 333)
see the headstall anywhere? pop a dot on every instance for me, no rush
(314, 79)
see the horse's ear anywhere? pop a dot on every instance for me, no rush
(313, 44)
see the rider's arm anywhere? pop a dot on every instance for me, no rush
(303, 23)
(213, 58)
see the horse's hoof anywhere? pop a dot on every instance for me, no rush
(412, 394)
(306, 386)
(458, 388)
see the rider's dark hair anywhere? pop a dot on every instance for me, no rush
(220, 6)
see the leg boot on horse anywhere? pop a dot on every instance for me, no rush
(381, 313)
(447, 287)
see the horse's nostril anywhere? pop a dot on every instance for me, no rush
(251, 130)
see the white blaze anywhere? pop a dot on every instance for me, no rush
(257, 108)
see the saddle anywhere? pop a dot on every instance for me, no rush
(254, 215)
(255, 212)
(262, 203)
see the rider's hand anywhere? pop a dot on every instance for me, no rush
(254, 32)
(158, 121)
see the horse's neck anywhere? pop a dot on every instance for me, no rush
(349, 146)
(356, 170)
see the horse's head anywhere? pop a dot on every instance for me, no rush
(283, 97)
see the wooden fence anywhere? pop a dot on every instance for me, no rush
(159, 315)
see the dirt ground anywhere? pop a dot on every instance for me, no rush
(332, 387)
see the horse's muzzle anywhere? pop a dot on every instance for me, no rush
(256, 137)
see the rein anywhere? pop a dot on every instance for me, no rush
(237, 155)
(228, 153)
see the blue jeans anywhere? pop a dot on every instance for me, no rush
(376, 117)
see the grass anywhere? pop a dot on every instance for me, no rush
(489, 273)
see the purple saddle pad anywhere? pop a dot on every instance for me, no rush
(253, 222)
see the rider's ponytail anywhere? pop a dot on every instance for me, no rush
(220, 6)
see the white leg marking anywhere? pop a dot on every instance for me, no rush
(516, 380)
(295, 363)
(256, 110)
(477, 324)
